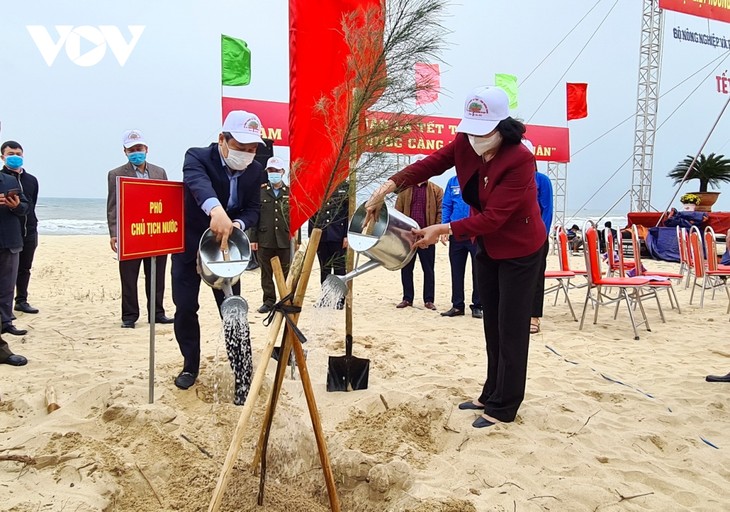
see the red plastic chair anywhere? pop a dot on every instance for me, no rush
(598, 283)
(640, 272)
(706, 269)
(563, 278)
(686, 268)
(564, 259)
(617, 264)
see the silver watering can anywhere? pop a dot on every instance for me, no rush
(222, 269)
(387, 243)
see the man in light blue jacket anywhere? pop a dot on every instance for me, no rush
(454, 208)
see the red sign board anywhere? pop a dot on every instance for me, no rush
(150, 220)
(425, 135)
(712, 9)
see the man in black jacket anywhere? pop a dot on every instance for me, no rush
(332, 220)
(29, 187)
(13, 208)
(222, 190)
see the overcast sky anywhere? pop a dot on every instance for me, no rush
(155, 66)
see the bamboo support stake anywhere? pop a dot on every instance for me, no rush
(316, 423)
(284, 352)
(293, 342)
(256, 383)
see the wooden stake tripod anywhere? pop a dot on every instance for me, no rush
(293, 342)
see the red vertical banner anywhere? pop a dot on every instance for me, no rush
(428, 83)
(577, 100)
(318, 107)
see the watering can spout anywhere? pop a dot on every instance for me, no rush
(334, 287)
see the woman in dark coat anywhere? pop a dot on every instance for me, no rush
(497, 178)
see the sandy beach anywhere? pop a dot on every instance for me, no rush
(608, 423)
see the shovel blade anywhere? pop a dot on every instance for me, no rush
(347, 373)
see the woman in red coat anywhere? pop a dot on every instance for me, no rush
(497, 178)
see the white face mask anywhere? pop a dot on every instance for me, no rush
(482, 145)
(238, 160)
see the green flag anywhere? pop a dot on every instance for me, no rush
(235, 61)
(509, 84)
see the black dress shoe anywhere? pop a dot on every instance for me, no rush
(718, 378)
(16, 360)
(185, 380)
(482, 422)
(25, 308)
(11, 329)
(470, 406)
(476, 312)
(265, 308)
(164, 320)
(453, 312)
(127, 324)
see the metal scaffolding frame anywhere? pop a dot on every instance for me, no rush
(558, 174)
(647, 102)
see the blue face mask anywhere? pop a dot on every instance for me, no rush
(137, 158)
(14, 162)
(275, 177)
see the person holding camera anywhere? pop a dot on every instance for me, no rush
(13, 151)
(13, 209)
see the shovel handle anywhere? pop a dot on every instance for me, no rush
(348, 345)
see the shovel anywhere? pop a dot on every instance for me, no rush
(347, 373)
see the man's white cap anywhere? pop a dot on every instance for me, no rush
(484, 108)
(244, 126)
(132, 138)
(275, 163)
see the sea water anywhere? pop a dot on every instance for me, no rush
(71, 216)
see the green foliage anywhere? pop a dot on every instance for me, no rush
(710, 171)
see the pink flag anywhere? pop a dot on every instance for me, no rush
(428, 83)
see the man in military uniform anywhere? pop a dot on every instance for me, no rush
(332, 220)
(271, 237)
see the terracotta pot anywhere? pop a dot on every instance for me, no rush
(708, 199)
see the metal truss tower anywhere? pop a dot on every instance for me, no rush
(647, 101)
(558, 174)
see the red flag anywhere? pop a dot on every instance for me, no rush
(428, 83)
(322, 77)
(577, 100)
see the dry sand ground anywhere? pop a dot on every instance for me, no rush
(608, 423)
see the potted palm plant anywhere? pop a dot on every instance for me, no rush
(709, 170)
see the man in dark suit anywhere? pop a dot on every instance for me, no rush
(271, 237)
(222, 190)
(29, 187)
(135, 150)
(13, 208)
